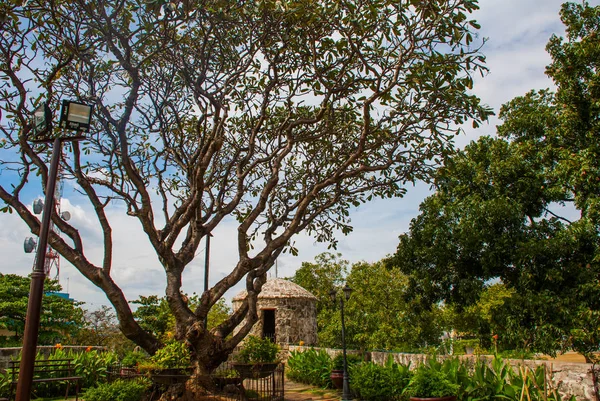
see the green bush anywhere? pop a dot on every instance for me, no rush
(484, 381)
(5, 379)
(119, 390)
(91, 366)
(427, 382)
(132, 358)
(310, 367)
(373, 382)
(258, 350)
(173, 355)
(516, 354)
(459, 347)
(499, 380)
(352, 359)
(10, 341)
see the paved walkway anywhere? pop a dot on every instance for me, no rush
(303, 392)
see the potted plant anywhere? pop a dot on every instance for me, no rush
(337, 372)
(257, 358)
(430, 384)
(337, 368)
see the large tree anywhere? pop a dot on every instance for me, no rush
(60, 320)
(282, 115)
(503, 207)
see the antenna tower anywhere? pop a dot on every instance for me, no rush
(52, 261)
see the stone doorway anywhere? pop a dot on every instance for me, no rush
(268, 324)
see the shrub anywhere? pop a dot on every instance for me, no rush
(372, 382)
(5, 379)
(132, 358)
(459, 347)
(258, 350)
(352, 359)
(500, 381)
(427, 382)
(119, 390)
(310, 367)
(92, 366)
(173, 355)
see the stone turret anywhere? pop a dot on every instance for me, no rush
(286, 312)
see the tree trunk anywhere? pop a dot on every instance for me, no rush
(207, 353)
(198, 387)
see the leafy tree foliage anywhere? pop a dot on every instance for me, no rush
(378, 316)
(60, 318)
(320, 277)
(155, 316)
(100, 327)
(381, 317)
(282, 115)
(485, 318)
(497, 211)
(485, 222)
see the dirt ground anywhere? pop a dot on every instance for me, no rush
(303, 392)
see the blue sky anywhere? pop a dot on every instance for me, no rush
(517, 32)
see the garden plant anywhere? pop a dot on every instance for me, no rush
(484, 379)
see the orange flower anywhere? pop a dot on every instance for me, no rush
(301, 343)
(88, 349)
(495, 337)
(59, 346)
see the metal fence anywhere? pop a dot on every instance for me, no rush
(229, 384)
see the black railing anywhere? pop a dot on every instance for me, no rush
(229, 385)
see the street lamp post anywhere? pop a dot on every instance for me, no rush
(346, 386)
(74, 116)
(206, 272)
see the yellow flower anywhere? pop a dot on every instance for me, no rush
(301, 343)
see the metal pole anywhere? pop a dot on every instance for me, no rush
(206, 262)
(346, 386)
(36, 290)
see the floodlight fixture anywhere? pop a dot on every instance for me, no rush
(38, 206)
(42, 120)
(75, 116)
(29, 244)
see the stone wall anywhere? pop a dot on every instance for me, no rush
(576, 379)
(11, 354)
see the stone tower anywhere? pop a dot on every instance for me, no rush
(286, 312)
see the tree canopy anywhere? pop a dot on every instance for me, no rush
(60, 319)
(281, 115)
(378, 314)
(502, 208)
